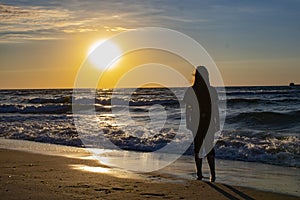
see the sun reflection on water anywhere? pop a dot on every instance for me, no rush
(91, 169)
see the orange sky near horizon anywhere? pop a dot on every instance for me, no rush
(55, 64)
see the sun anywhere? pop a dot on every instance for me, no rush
(104, 54)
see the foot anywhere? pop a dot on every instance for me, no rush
(212, 179)
(199, 176)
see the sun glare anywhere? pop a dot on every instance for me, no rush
(104, 54)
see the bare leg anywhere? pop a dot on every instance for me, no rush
(211, 162)
(198, 162)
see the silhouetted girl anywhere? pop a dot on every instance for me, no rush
(202, 115)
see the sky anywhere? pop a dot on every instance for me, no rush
(43, 43)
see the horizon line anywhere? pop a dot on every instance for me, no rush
(72, 88)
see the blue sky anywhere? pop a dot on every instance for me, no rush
(260, 39)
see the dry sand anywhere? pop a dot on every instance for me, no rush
(34, 176)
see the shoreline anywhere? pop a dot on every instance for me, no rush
(29, 175)
(79, 161)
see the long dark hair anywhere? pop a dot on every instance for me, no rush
(201, 79)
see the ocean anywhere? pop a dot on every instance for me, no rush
(261, 123)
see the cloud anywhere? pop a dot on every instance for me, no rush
(22, 23)
(116, 29)
(41, 19)
(38, 20)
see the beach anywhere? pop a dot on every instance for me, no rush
(60, 172)
(44, 145)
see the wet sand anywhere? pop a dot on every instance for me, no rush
(25, 175)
